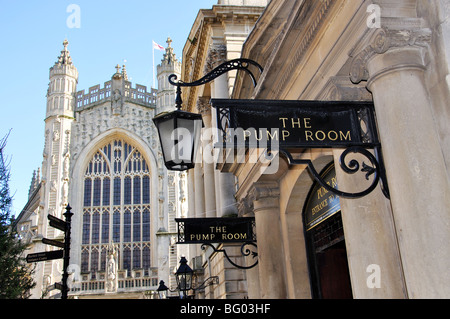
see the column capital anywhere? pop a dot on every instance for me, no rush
(264, 190)
(380, 42)
(217, 54)
(203, 106)
(245, 207)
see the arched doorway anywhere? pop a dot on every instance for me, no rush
(325, 241)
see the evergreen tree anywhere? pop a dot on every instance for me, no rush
(15, 274)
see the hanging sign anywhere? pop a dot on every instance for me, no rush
(305, 124)
(215, 230)
(322, 204)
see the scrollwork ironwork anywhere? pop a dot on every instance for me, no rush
(244, 251)
(236, 64)
(350, 167)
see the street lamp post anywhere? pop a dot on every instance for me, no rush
(184, 277)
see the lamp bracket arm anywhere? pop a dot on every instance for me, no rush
(351, 167)
(213, 280)
(236, 64)
(244, 252)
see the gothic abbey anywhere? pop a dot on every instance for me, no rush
(102, 156)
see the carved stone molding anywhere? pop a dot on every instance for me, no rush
(245, 207)
(203, 106)
(217, 55)
(383, 40)
(263, 190)
(339, 88)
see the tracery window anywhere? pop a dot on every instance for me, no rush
(116, 208)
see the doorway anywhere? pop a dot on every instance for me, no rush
(325, 241)
(328, 260)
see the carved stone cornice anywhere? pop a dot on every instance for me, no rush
(383, 40)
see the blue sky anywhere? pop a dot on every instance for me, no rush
(109, 32)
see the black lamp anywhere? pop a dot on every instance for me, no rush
(184, 277)
(162, 290)
(179, 134)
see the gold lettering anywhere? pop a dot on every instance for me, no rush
(218, 229)
(323, 135)
(333, 182)
(308, 135)
(307, 122)
(235, 236)
(335, 135)
(345, 137)
(285, 134)
(284, 119)
(296, 122)
(319, 207)
(321, 192)
(272, 137)
(259, 138)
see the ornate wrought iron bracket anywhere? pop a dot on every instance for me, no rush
(351, 167)
(214, 280)
(236, 64)
(244, 252)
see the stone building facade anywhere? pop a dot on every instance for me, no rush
(394, 54)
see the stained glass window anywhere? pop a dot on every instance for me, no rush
(116, 198)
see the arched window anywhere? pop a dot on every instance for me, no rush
(116, 208)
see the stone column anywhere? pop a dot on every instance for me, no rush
(253, 289)
(372, 249)
(416, 171)
(208, 165)
(199, 192)
(374, 261)
(265, 197)
(219, 89)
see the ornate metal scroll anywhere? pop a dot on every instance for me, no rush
(350, 167)
(244, 251)
(237, 64)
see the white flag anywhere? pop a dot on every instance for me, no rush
(157, 46)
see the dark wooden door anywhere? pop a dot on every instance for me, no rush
(333, 273)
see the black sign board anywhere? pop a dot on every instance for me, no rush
(46, 255)
(52, 242)
(304, 124)
(215, 230)
(57, 223)
(322, 204)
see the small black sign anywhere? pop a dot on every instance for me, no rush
(305, 124)
(57, 223)
(52, 242)
(215, 230)
(322, 204)
(46, 255)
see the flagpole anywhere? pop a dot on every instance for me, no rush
(153, 71)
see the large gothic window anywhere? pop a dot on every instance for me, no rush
(116, 209)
